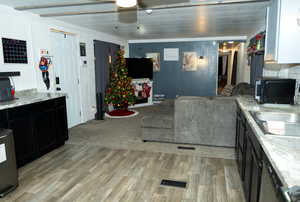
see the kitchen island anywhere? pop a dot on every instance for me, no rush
(38, 121)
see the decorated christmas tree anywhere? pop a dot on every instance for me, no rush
(120, 92)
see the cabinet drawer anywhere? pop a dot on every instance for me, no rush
(60, 101)
(16, 112)
(44, 106)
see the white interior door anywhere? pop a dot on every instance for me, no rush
(66, 68)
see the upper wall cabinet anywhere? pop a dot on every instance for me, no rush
(283, 32)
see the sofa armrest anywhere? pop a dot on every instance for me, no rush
(205, 120)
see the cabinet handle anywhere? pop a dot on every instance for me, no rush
(285, 194)
(269, 169)
(4, 136)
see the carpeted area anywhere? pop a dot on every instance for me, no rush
(126, 134)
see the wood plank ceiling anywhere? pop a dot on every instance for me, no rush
(169, 18)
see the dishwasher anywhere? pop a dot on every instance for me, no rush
(271, 189)
(8, 166)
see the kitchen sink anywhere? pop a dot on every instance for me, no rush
(278, 123)
(277, 116)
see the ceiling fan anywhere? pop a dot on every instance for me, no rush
(132, 8)
(141, 4)
(129, 3)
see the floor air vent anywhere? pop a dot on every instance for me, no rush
(186, 148)
(172, 183)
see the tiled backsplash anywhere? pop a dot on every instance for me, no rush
(284, 71)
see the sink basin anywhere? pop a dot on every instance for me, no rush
(277, 116)
(278, 123)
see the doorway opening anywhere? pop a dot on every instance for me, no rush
(230, 64)
(105, 54)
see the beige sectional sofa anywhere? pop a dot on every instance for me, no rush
(193, 120)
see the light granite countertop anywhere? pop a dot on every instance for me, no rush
(29, 97)
(283, 152)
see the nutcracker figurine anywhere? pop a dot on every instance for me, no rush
(44, 66)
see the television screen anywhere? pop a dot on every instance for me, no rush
(140, 68)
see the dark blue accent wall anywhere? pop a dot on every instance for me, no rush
(172, 80)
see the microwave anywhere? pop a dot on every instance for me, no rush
(275, 91)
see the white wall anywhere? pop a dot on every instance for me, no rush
(36, 31)
(13, 25)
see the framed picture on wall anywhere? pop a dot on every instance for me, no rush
(190, 61)
(155, 59)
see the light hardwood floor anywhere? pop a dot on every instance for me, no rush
(107, 161)
(92, 173)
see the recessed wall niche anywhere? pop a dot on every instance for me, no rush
(14, 51)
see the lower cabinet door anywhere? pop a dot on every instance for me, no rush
(240, 159)
(237, 130)
(256, 178)
(3, 119)
(25, 143)
(248, 169)
(45, 131)
(61, 124)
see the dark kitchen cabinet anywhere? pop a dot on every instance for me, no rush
(249, 159)
(240, 144)
(20, 120)
(256, 166)
(3, 119)
(38, 128)
(45, 127)
(61, 121)
(247, 169)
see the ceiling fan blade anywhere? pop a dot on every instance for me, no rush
(127, 15)
(144, 4)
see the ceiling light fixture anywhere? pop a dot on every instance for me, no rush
(126, 3)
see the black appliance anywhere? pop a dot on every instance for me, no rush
(275, 91)
(6, 89)
(8, 167)
(140, 68)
